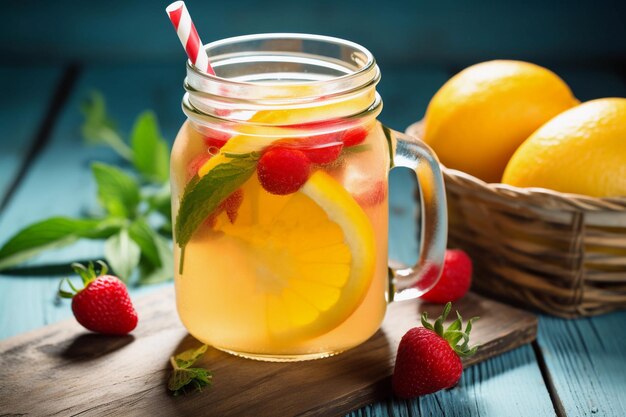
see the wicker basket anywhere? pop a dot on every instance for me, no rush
(564, 254)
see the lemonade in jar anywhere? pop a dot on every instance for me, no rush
(279, 198)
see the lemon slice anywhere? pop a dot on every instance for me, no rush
(313, 254)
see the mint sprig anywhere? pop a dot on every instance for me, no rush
(133, 203)
(202, 195)
(184, 377)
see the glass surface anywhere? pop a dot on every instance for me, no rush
(290, 274)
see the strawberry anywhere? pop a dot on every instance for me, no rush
(216, 139)
(322, 149)
(354, 136)
(429, 357)
(283, 170)
(455, 280)
(230, 205)
(196, 163)
(103, 304)
(319, 149)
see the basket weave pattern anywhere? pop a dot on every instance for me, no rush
(564, 254)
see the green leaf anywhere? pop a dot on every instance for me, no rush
(160, 201)
(203, 195)
(118, 192)
(150, 150)
(183, 376)
(197, 378)
(151, 274)
(425, 321)
(99, 129)
(189, 357)
(141, 233)
(52, 233)
(122, 254)
(454, 336)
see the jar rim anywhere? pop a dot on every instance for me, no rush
(285, 60)
(280, 71)
(368, 65)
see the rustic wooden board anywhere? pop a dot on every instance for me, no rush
(64, 370)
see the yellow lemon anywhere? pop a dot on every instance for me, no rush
(313, 252)
(481, 115)
(582, 151)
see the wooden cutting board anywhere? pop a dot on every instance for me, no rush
(63, 370)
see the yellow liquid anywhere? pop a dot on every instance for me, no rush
(223, 294)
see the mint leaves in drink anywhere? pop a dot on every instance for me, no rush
(202, 195)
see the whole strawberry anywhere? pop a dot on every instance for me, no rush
(429, 357)
(283, 171)
(455, 280)
(103, 304)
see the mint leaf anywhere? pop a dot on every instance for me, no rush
(99, 129)
(151, 274)
(118, 192)
(141, 233)
(189, 357)
(202, 195)
(183, 376)
(52, 233)
(122, 254)
(181, 379)
(150, 150)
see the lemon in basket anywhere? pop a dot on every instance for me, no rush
(480, 116)
(582, 151)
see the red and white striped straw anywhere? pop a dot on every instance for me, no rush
(188, 35)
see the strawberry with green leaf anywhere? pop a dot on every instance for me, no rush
(429, 357)
(103, 304)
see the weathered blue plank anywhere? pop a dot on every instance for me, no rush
(26, 94)
(587, 363)
(59, 182)
(586, 358)
(508, 385)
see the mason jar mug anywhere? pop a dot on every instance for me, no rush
(279, 199)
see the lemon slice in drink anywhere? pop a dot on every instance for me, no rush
(313, 253)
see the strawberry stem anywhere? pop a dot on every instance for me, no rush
(454, 333)
(66, 294)
(86, 273)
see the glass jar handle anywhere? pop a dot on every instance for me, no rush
(410, 152)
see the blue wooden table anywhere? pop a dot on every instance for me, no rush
(575, 368)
